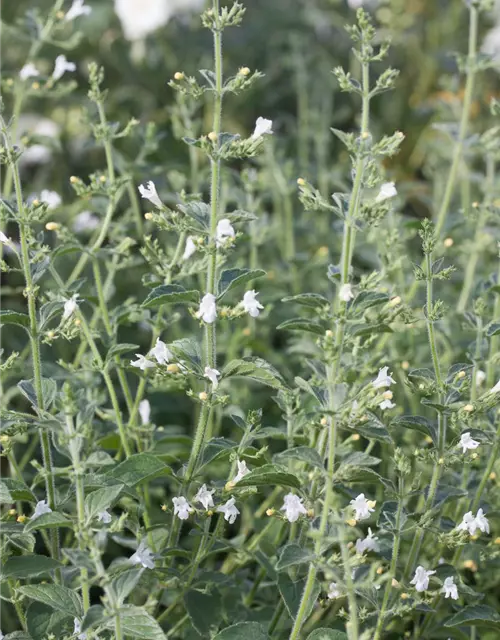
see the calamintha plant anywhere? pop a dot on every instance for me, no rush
(236, 403)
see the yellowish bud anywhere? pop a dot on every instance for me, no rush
(323, 251)
(365, 135)
(178, 75)
(270, 512)
(52, 226)
(323, 422)
(475, 456)
(229, 485)
(448, 242)
(395, 301)
(441, 461)
(244, 71)
(21, 519)
(387, 395)
(4, 438)
(35, 85)
(163, 507)
(428, 439)
(404, 596)
(36, 202)
(469, 408)
(103, 178)
(60, 15)
(421, 385)
(74, 180)
(210, 513)
(395, 584)
(329, 333)
(492, 476)
(203, 396)
(310, 513)
(496, 541)
(173, 368)
(474, 537)
(212, 136)
(301, 182)
(10, 82)
(405, 365)
(460, 375)
(470, 564)
(148, 216)
(380, 571)
(247, 332)
(371, 503)
(351, 522)
(475, 205)
(12, 512)
(356, 437)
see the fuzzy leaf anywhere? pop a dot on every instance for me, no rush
(125, 583)
(29, 566)
(52, 520)
(55, 596)
(14, 317)
(367, 299)
(269, 474)
(170, 294)
(477, 615)
(291, 592)
(300, 324)
(138, 624)
(243, 631)
(255, 369)
(304, 454)
(293, 554)
(49, 390)
(327, 634)
(138, 468)
(101, 499)
(197, 211)
(42, 620)
(232, 278)
(204, 610)
(312, 300)
(416, 423)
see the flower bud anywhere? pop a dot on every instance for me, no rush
(470, 564)
(247, 332)
(163, 507)
(380, 571)
(270, 512)
(405, 365)
(173, 368)
(229, 485)
(496, 541)
(35, 85)
(371, 503)
(178, 75)
(52, 226)
(469, 408)
(243, 71)
(460, 375)
(351, 522)
(356, 437)
(21, 519)
(393, 302)
(212, 136)
(310, 513)
(12, 512)
(203, 396)
(323, 422)
(387, 395)
(448, 242)
(148, 216)
(329, 333)
(492, 476)
(395, 584)
(404, 596)
(301, 182)
(74, 180)
(36, 202)
(103, 178)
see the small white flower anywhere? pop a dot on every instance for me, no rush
(78, 8)
(243, 471)
(142, 363)
(345, 292)
(450, 589)
(229, 510)
(40, 509)
(250, 303)
(212, 375)
(496, 388)
(70, 306)
(62, 65)
(85, 221)
(29, 71)
(143, 556)
(355, 4)
(189, 249)
(208, 310)
(204, 497)
(333, 591)
(468, 523)
(293, 507)
(262, 127)
(224, 231)
(4, 239)
(466, 442)
(144, 411)
(367, 544)
(387, 191)
(480, 377)
(482, 522)
(161, 352)
(149, 193)
(51, 198)
(387, 404)
(421, 578)
(491, 43)
(104, 517)
(362, 507)
(77, 630)
(383, 379)
(182, 509)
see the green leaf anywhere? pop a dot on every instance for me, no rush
(138, 624)
(374, 429)
(304, 454)
(255, 369)
(291, 593)
(5, 497)
(170, 294)
(55, 596)
(118, 349)
(300, 324)
(360, 459)
(204, 610)
(416, 423)
(197, 211)
(94, 616)
(365, 331)
(14, 317)
(293, 554)
(240, 216)
(18, 635)
(138, 468)
(269, 474)
(51, 520)
(101, 499)
(493, 329)
(475, 615)
(49, 390)
(327, 634)
(187, 349)
(125, 583)
(243, 631)
(42, 620)
(16, 489)
(28, 566)
(232, 278)
(367, 299)
(312, 300)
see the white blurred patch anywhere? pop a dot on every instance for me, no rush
(142, 17)
(32, 125)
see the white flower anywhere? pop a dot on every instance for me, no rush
(333, 591)
(250, 303)
(421, 578)
(51, 198)
(496, 388)
(362, 506)
(40, 509)
(450, 589)
(189, 249)
(387, 404)
(32, 125)
(345, 292)
(204, 497)
(491, 43)
(142, 363)
(355, 4)
(387, 191)
(480, 377)
(142, 17)
(208, 310)
(468, 523)
(28, 71)
(182, 508)
(78, 8)
(224, 231)
(161, 352)
(62, 65)
(212, 375)
(229, 510)
(149, 193)
(77, 630)
(85, 221)
(70, 306)
(482, 522)
(383, 379)
(293, 507)
(262, 127)
(466, 442)
(4, 239)
(143, 556)
(104, 516)
(242, 471)
(144, 411)
(367, 544)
